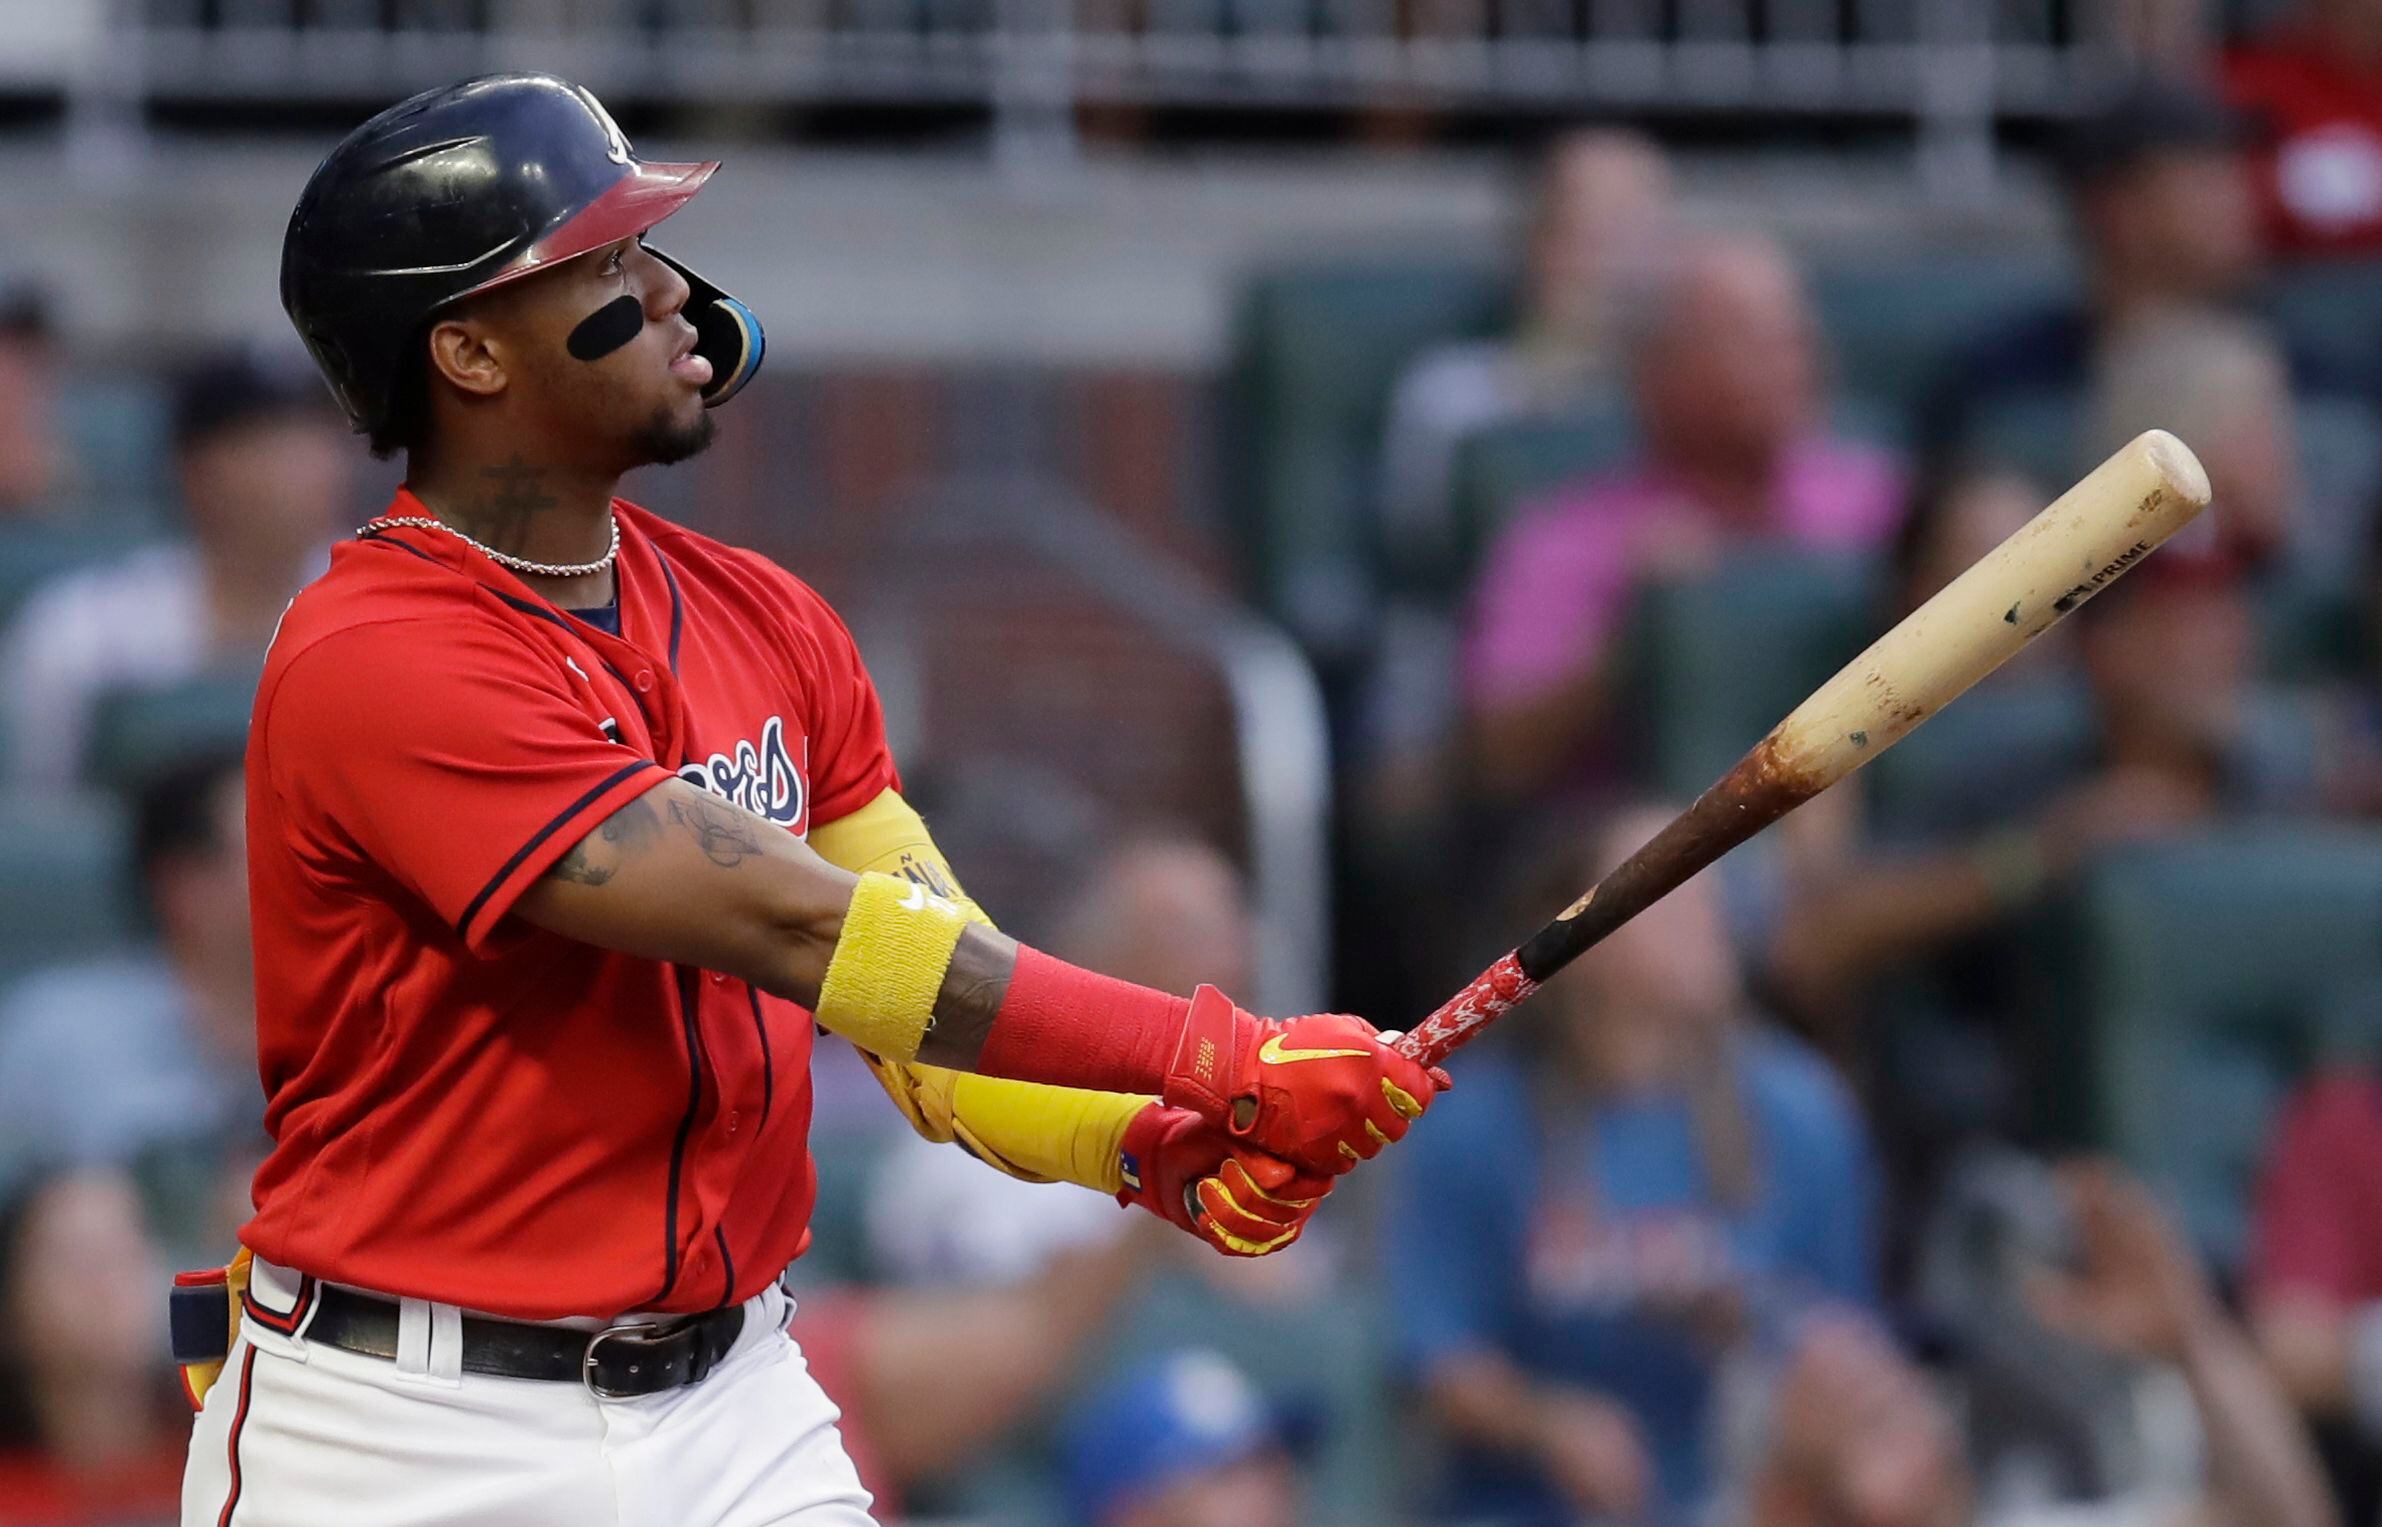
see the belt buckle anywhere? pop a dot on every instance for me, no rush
(642, 1330)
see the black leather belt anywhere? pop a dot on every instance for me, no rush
(617, 1363)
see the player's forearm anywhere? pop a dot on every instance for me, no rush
(680, 875)
(999, 1009)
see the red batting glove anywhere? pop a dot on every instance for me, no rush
(1250, 1204)
(1321, 1092)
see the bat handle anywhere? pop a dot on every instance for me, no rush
(1492, 994)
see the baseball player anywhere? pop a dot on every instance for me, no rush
(566, 826)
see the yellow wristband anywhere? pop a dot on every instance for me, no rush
(888, 966)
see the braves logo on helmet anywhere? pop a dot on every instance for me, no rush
(616, 143)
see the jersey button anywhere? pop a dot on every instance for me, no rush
(644, 680)
(734, 1118)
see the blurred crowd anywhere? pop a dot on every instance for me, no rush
(1998, 1140)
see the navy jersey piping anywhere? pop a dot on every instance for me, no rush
(688, 994)
(768, 1065)
(561, 818)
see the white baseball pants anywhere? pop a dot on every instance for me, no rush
(298, 1434)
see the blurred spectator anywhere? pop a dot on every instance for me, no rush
(1579, 1244)
(928, 1379)
(1163, 910)
(994, 1286)
(2166, 741)
(2159, 191)
(1842, 911)
(2316, 81)
(1856, 1436)
(1183, 1442)
(1726, 374)
(2315, 1274)
(2168, 659)
(149, 1059)
(1158, 909)
(1601, 218)
(92, 1428)
(2223, 383)
(264, 470)
(29, 435)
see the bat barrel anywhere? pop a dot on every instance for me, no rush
(2089, 537)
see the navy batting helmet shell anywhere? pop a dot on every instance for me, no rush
(464, 188)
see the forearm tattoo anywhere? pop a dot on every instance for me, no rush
(726, 836)
(724, 833)
(597, 857)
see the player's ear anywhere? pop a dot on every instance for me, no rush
(461, 351)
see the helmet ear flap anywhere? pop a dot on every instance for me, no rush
(727, 334)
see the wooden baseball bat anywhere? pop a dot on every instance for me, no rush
(2084, 542)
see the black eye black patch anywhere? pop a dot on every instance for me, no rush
(607, 329)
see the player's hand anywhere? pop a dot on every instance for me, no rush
(1322, 1092)
(1249, 1204)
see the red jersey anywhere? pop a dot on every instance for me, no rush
(463, 1107)
(2320, 175)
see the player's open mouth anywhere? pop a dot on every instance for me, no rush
(689, 367)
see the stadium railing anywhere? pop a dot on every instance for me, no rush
(1026, 643)
(1947, 66)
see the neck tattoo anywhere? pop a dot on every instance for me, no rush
(503, 519)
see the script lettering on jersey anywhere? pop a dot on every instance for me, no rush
(761, 777)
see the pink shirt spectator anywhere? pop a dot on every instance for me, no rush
(1558, 582)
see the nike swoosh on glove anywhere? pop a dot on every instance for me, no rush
(1321, 1092)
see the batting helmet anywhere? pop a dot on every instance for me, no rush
(464, 188)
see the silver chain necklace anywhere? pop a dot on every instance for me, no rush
(504, 559)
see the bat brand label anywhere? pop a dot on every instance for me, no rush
(2093, 585)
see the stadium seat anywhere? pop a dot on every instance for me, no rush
(2331, 311)
(116, 431)
(1319, 349)
(2012, 731)
(2312, 619)
(1700, 703)
(65, 885)
(1499, 468)
(2035, 433)
(34, 551)
(139, 733)
(1319, 1358)
(2203, 977)
(2006, 728)
(1893, 324)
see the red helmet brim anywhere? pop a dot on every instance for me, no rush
(643, 197)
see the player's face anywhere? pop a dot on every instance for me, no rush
(607, 361)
